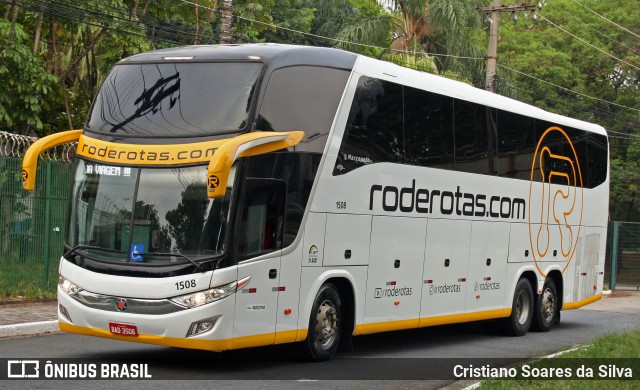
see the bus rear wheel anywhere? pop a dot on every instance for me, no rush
(325, 325)
(546, 313)
(521, 311)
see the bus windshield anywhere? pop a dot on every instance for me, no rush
(175, 99)
(145, 215)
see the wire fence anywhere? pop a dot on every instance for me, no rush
(623, 255)
(15, 145)
(32, 223)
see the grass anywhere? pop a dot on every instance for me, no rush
(620, 349)
(18, 293)
(27, 278)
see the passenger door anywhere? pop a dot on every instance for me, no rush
(260, 233)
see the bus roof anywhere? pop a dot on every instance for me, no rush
(280, 55)
(276, 55)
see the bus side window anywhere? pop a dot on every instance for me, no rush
(516, 144)
(428, 127)
(262, 217)
(374, 131)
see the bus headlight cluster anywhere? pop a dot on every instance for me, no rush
(68, 286)
(207, 296)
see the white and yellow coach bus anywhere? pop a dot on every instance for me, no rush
(235, 196)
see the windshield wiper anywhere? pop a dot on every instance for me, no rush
(196, 264)
(77, 247)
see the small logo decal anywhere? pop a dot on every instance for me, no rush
(313, 255)
(121, 304)
(214, 181)
(25, 175)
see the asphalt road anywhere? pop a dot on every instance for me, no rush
(397, 355)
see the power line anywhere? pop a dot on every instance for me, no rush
(587, 43)
(600, 32)
(608, 20)
(629, 136)
(567, 89)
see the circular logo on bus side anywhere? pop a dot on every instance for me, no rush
(213, 182)
(556, 199)
(121, 304)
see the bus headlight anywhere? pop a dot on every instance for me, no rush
(211, 295)
(68, 286)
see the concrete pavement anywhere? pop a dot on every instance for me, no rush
(28, 317)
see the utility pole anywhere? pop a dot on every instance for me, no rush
(493, 17)
(225, 23)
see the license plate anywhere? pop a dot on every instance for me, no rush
(123, 329)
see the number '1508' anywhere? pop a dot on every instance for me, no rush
(185, 284)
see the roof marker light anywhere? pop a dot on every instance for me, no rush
(253, 57)
(176, 58)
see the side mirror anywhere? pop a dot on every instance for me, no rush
(249, 144)
(30, 160)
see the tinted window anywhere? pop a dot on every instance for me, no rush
(175, 99)
(429, 128)
(261, 219)
(374, 131)
(297, 171)
(393, 123)
(597, 160)
(516, 144)
(303, 98)
(472, 138)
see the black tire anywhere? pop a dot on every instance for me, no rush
(547, 311)
(325, 327)
(521, 310)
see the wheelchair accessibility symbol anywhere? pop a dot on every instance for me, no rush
(135, 254)
(556, 199)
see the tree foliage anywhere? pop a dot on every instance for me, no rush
(24, 84)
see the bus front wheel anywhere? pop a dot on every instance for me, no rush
(324, 334)
(521, 311)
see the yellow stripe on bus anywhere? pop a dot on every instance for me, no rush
(388, 326)
(575, 305)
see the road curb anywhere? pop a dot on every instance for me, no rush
(29, 328)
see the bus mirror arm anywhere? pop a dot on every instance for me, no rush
(30, 160)
(249, 144)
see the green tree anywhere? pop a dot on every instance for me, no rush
(24, 82)
(294, 15)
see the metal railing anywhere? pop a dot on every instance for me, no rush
(623, 257)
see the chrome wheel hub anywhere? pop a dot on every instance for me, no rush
(548, 305)
(326, 323)
(523, 305)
